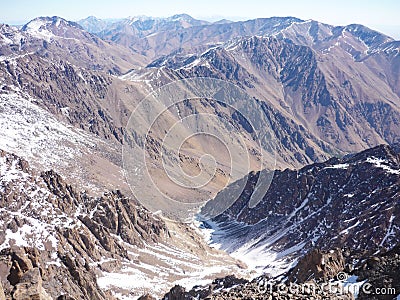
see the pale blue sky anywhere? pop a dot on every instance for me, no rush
(382, 15)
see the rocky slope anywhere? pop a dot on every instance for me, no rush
(315, 277)
(380, 272)
(351, 202)
(51, 234)
(55, 60)
(58, 39)
(57, 241)
(66, 97)
(320, 103)
(307, 87)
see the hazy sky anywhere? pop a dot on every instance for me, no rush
(382, 15)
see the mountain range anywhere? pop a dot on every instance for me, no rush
(321, 103)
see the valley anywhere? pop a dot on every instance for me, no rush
(188, 159)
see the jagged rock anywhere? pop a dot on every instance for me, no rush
(84, 277)
(228, 281)
(63, 261)
(146, 297)
(103, 235)
(177, 293)
(318, 265)
(65, 297)
(30, 287)
(260, 288)
(381, 272)
(319, 206)
(20, 264)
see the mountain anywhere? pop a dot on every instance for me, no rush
(142, 25)
(222, 21)
(319, 103)
(57, 39)
(325, 205)
(58, 241)
(130, 31)
(162, 36)
(116, 132)
(94, 25)
(64, 82)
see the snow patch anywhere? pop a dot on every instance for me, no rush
(338, 166)
(383, 164)
(37, 28)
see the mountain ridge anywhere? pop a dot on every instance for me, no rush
(66, 99)
(323, 205)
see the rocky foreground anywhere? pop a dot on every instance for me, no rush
(59, 243)
(318, 275)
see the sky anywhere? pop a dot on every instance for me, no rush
(381, 15)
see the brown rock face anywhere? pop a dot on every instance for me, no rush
(146, 297)
(176, 293)
(2, 295)
(382, 273)
(50, 261)
(29, 279)
(318, 265)
(30, 287)
(20, 265)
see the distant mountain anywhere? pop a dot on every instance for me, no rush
(47, 27)
(332, 95)
(94, 25)
(57, 39)
(223, 21)
(128, 31)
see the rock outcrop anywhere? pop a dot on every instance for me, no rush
(318, 265)
(258, 289)
(53, 234)
(381, 273)
(30, 287)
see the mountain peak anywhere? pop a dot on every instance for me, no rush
(181, 17)
(223, 21)
(48, 21)
(49, 27)
(369, 36)
(91, 18)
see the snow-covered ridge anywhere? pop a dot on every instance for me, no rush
(47, 28)
(9, 35)
(37, 28)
